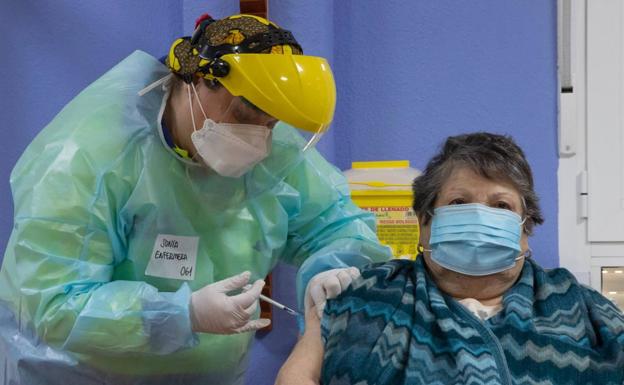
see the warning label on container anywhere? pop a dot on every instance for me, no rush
(397, 227)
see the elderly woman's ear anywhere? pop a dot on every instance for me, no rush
(425, 231)
(524, 242)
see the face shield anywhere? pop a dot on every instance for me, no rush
(259, 62)
(296, 89)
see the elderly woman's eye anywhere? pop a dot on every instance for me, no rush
(457, 201)
(503, 205)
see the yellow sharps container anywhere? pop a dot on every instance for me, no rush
(385, 189)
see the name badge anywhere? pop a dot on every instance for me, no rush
(174, 257)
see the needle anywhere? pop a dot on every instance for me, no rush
(274, 303)
(278, 305)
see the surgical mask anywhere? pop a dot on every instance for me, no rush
(230, 149)
(474, 239)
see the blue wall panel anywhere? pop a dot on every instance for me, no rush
(52, 50)
(411, 73)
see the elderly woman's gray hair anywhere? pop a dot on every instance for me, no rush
(492, 156)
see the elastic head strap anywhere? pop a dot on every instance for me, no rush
(212, 66)
(193, 55)
(253, 44)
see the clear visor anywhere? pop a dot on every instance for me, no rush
(311, 139)
(242, 111)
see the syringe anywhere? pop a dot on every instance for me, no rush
(278, 305)
(274, 303)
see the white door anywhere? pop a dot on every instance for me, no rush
(605, 125)
(591, 143)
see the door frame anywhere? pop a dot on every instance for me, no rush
(583, 258)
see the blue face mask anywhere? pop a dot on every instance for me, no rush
(474, 239)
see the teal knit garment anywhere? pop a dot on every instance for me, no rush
(394, 326)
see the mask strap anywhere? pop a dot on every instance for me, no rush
(198, 101)
(188, 91)
(527, 254)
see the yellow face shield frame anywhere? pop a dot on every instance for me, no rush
(296, 89)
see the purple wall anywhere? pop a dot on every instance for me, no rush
(412, 74)
(52, 50)
(409, 74)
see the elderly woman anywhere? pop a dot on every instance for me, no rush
(474, 308)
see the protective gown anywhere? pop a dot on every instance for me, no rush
(96, 193)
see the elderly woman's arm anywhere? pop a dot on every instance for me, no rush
(303, 367)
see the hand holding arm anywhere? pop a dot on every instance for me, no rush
(327, 285)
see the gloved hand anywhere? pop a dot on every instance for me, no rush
(213, 311)
(327, 285)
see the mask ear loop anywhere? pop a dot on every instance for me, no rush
(188, 89)
(198, 101)
(527, 254)
(188, 92)
(421, 249)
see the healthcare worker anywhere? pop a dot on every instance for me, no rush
(156, 195)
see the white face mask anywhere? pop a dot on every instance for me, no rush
(230, 149)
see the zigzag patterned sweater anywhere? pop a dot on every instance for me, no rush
(394, 326)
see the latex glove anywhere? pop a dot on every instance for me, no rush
(327, 285)
(213, 311)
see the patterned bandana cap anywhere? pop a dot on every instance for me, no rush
(184, 57)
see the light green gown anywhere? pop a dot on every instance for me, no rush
(96, 193)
